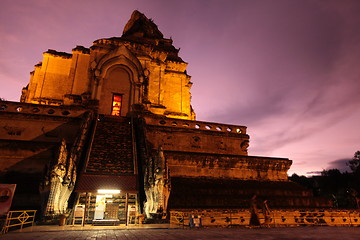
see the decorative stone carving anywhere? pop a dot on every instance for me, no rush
(195, 142)
(167, 141)
(245, 145)
(221, 145)
(59, 182)
(60, 178)
(14, 130)
(157, 186)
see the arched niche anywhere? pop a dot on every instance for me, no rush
(118, 72)
(117, 82)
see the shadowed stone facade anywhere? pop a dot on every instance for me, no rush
(117, 115)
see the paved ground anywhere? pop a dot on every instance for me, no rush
(163, 233)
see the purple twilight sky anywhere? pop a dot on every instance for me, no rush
(289, 70)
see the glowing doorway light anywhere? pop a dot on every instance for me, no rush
(114, 191)
(116, 105)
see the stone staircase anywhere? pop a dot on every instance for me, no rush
(112, 147)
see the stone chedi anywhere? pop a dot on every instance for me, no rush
(141, 67)
(117, 116)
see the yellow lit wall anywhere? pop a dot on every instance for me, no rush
(160, 85)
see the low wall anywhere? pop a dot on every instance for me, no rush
(240, 217)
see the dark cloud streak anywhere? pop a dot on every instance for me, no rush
(340, 164)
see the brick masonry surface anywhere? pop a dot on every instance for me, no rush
(313, 233)
(112, 152)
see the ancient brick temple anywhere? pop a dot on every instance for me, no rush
(111, 128)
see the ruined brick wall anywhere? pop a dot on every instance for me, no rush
(155, 75)
(169, 90)
(195, 136)
(57, 77)
(30, 122)
(227, 166)
(29, 132)
(79, 71)
(279, 218)
(157, 82)
(227, 193)
(30, 138)
(210, 150)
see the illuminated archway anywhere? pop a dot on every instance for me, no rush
(118, 73)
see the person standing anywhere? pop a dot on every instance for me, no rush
(267, 214)
(254, 217)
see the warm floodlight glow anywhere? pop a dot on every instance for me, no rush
(108, 191)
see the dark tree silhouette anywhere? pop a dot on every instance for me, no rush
(342, 188)
(354, 164)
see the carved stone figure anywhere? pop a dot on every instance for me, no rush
(157, 185)
(59, 182)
